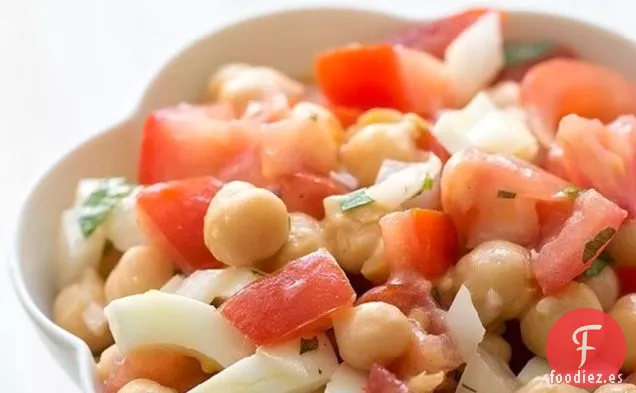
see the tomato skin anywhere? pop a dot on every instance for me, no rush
(163, 366)
(627, 278)
(420, 240)
(380, 75)
(560, 258)
(382, 380)
(434, 37)
(172, 216)
(304, 192)
(294, 301)
(191, 141)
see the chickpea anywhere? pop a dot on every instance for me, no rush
(369, 146)
(245, 224)
(542, 384)
(624, 313)
(605, 285)
(622, 245)
(497, 346)
(499, 277)
(616, 388)
(371, 332)
(305, 236)
(238, 84)
(323, 116)
(74, 301)
(140, 269)
(537, 321)
(426, 382)
(376, 268)
(144, 386)
(107, 359)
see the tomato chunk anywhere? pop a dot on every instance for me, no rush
(627, 279)
(190, 141)
(433, 37)
(294, 301)
(164, 366)
(382, 380)
(583, 236)
(365, 77)
(304, 192)
(420, 240)
(172, 215)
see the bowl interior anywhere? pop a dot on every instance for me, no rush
(287, 41)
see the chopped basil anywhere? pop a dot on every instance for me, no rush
(95, 208)
(308, 345)
(572, 191)
(355, 199)
(470, 389)
(599, 241)
(595, 268)
(506, 194)
(427, 184)
(520, 53)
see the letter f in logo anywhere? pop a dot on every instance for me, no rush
(583, 343)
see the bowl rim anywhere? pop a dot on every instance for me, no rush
(82, 356)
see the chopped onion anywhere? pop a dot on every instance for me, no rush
(475, 57)
(85, 188)
(205, 285)
(403, 185)
(451, 129)
(346, 379)
(464, 324)
(486, 374)
(534, 368)
(76, 253)
(173, 285)
(505, 94)
(345, 179)
(504, 133)
(95, 319)
(480, 106)
(390, 167)
(122, 224)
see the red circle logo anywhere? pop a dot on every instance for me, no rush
(585, 348)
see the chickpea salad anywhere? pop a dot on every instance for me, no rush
(414, 219)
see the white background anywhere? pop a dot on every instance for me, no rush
(69, 68)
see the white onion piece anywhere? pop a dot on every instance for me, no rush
(205, 285)
(280, 369)
(75, 253)
(474, 58)
(173, 285)
(389, 167)
(534, 368)
(505, 94)
(95, 319)
(485, 373)
(122, 224)
(451, 129)
(85, 188)
(347, 379)
(405, 184)
(504, 133)
(480, 106)
(464, 324)
(345, 179)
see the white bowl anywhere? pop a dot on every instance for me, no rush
(286, 41)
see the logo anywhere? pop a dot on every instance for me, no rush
(585, 348)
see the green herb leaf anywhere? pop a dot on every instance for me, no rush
(520, 53)
(593, 246)
(604, 259)
(469, 388)
(506, 194)
(308, 345)
(95, 208)
(572, 191)
(355, 199)
(427, 184)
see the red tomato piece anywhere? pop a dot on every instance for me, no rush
(304, 192)
(172, 216)
(555, 88)
(428, 352)
(382, 380)
(371, 76)
(517, 72)
(405, 293)
(190, 141)
(294, 301)
(601, 156)
(164, 366)
(583, 236)
(627, 278)
(434, 37)
(428, 142)
(420, 240)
